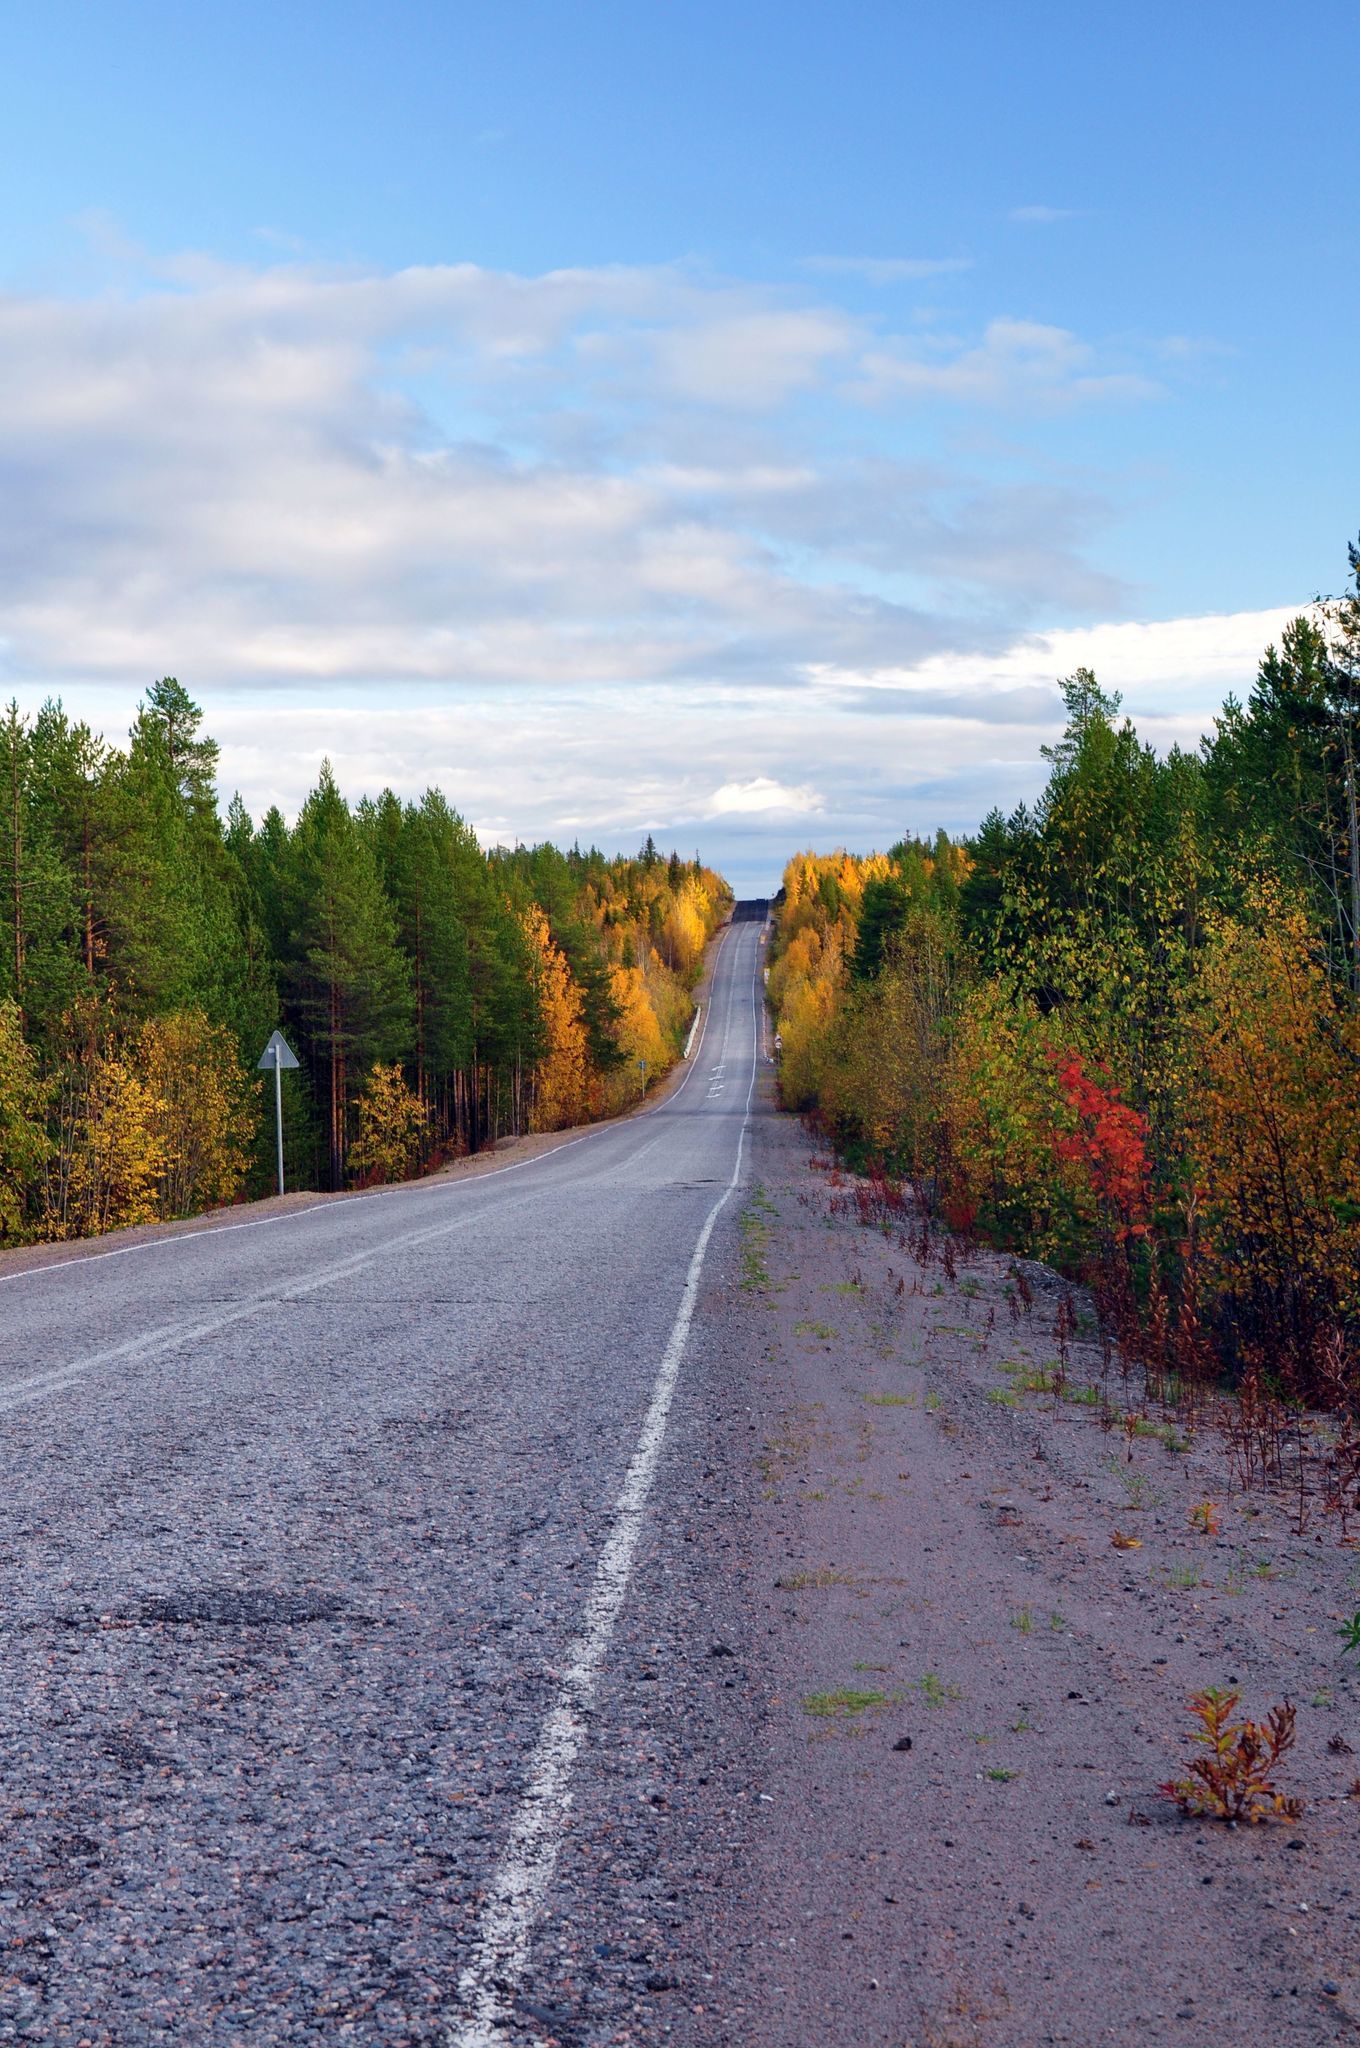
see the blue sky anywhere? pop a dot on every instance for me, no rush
(720, 420)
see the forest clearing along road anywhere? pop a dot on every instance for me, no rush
(497, 1610)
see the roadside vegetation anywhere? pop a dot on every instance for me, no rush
(1120, 1031)
(438, 996)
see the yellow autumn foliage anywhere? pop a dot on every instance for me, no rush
(203, 1111)
(558, 1092)
(391, 1125)
(118, 1158)
(1272, 1080)
(24, 1145)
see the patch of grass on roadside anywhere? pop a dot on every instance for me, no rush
(808, 1328)
(814, 1581)
(1001, 1775)
(842, 1704)
(891, 1400)
(755, 1241)
(937, 1691)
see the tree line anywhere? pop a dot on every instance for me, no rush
(439, 996)
(1120, 1028)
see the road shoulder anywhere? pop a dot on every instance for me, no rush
(974, 1616)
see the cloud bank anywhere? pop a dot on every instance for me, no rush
(601, 549)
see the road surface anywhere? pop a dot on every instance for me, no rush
(317, 1531)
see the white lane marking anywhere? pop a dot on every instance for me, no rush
(692, 1029)
(428, 1187)
(500, 1953)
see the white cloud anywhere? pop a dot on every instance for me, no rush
(888, 269)
(1018, 363)
(762, 793)
(1044, 216)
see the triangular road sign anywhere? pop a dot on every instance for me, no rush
(278, 1053)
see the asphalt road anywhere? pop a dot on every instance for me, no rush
(316, 1532)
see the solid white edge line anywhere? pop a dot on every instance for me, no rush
(426, 1187)
(489, 1981)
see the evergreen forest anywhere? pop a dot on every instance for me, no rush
(1119, 1030)
(439, 996)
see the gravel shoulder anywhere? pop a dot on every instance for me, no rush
(962, 1691)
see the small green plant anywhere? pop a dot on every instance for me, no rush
(1204, 1517)
(1001, 1775)
(1024, 1620)
(936, 1691)
(842, 1704)
(1349, 1633)
(891, 1400)
(1136, 1488)
(1183, 1577)
(933, 1402)
(755, 1238)
(1056, 1620)
(1022, 1726)
(1234, 1780)
(810, 1329)
(1323, 1697)
(1003, 1397)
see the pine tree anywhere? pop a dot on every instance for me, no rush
(350, 981)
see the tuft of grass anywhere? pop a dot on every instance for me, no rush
(1056, 1620)
(755, 1241)
(810, 1329)
(1004, 1397)
(1001, 1775)
(933, 1402)
(813, 1581)
(937, 1691)
(1024, 1621)
(891, 1400)
(844, 1703)
(1184, 1576)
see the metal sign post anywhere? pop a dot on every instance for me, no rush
(643, 1065)
(278, 1054)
